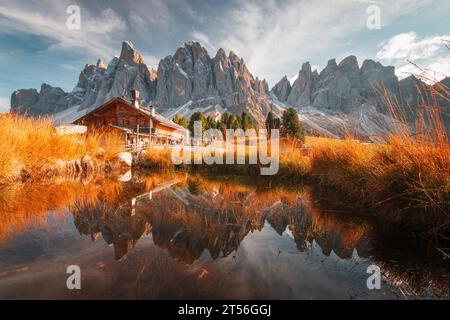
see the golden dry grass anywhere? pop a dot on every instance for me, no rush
(410, 171)
(32, 144)
(156, 159)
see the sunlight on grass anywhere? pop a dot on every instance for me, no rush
(32, 144)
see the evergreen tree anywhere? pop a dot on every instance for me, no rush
(225, 119)
(221, 126)
(210, 123)
(277, 123)
(270, 121)
(197, 116)
(291, 126)
(177, 118)
(184, 122)
(235, 122)
(246, 122)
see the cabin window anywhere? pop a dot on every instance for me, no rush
(142, 123)
(127, 123)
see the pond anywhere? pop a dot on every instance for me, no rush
(175, 236)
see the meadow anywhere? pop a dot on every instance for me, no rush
(404, 180)
(31, 148)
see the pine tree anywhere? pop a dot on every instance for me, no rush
(197, 116)
(184, 122)
(225, 119)
(246, 122)
(235, 122)
(277, 123)
(291, 126)
(270, 121)
(177, 118)
(210, 123)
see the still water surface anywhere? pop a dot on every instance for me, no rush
(162, 236)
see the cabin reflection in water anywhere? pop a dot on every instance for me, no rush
(186, 221)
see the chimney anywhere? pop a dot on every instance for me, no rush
(152, 111)
(135, 98)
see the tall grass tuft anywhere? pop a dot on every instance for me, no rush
(155, 159)
(410, 172)
(31, 145)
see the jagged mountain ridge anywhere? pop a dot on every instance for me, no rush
(186, 82)
(194, 81)
(341, 97)
(346, 98)
(96, 84)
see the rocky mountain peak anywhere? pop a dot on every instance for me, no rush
(193, 79)
(190, 80)
(349, 65)
(129, 55)
(221, 54)
(89, 69)
(101, 64)
(330, 69)
(282, 89)
(346, 95)
(370, 65)
(235, 59)
(306, 68)
(302, 87)
(196, 49)
(349, 62)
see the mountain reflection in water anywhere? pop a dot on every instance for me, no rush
(179, 236)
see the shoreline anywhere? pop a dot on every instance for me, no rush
(357, 185)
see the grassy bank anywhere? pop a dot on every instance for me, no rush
(405, 181)
(31, 148)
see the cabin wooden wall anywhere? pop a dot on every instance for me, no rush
(122, 115)
(118, 114)
(164, 130)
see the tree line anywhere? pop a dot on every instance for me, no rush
(226, 121)
(289, 124)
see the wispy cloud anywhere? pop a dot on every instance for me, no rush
(408, 46)
(273, 37)
(69, 67)
(4, 104)
(204, 40)
(413, 55)
(151, 60)
(96, 33)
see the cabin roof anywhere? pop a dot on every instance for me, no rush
(143, 110)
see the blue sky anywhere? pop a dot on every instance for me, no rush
(274, 37)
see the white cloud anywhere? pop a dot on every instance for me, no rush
(4, 104)
(427, 58)
(204, 40)
(272, 37)
(96, 34)
(68, 67)
(407, 46)
(430, 71)
(153, 12)
(151, 61)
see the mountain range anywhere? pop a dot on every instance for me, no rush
(342, 97)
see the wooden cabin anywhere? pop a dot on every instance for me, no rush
(139, 125)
